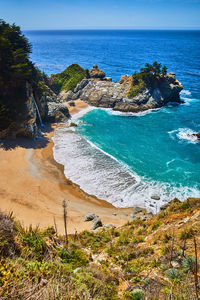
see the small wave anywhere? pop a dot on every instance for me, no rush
(132, 114)
(184, 134)
(194, 74)
(189, 99)
(187, 134)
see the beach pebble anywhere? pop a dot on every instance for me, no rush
(165, 206)
(137, 209)
(155, 197)
(133, 216)
(89, 217)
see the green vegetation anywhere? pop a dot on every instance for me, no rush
(130, 262)
(16, 70)
(68, 79)
(150, 75)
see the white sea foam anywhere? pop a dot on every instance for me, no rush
(139, 114)
(185, 93)
(184, 134)
(187, 134)
(81, 113)
(99, 173)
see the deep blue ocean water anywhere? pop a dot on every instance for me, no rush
(127, 158)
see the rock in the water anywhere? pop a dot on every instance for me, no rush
(96, 223)
(197, 135)
(73, 124)
(155, 197)
(89, 217)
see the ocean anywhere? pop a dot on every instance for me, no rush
(127, 158)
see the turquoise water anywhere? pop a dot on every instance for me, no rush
(126, 158)
(154, 145)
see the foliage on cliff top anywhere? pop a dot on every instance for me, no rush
(68, 79)
(150, 75)
(15, 70)
(144, 259)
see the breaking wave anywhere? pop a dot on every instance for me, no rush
(99, 173)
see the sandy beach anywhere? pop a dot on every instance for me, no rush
(33, 186)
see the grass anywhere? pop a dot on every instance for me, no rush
(120, 263)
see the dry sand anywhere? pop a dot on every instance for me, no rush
(33, 186)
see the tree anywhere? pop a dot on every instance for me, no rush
(164, 70)
(15, 71)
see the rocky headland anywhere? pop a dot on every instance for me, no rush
(135, 93)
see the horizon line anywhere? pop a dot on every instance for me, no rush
(92, 29)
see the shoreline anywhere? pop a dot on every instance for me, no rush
(34, 186)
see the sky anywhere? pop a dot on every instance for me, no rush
(102, 14)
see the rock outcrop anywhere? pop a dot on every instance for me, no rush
(117, 95)
(95, 72)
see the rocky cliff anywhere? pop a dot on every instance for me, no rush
(24, 89)
(135, 93)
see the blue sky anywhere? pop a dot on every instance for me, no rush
(93, 14)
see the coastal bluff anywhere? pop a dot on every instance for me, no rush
(135, 93)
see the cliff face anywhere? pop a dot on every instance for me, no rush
(25, 121)
(126, 95)
(37, 108)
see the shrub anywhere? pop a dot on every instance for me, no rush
(34, 243)
(173, 274)
(75, 256)
(188, 264)
(137, 294)
(186, 234)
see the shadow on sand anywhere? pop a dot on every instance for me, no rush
(36, 143)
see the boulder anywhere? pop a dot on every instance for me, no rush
(57, 112)
(95, 72)
(96, 223)
(109, 226)
(73, 124)
(89, 217)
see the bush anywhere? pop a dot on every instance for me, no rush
(173, 274)
(137, 294)
(188, 264)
